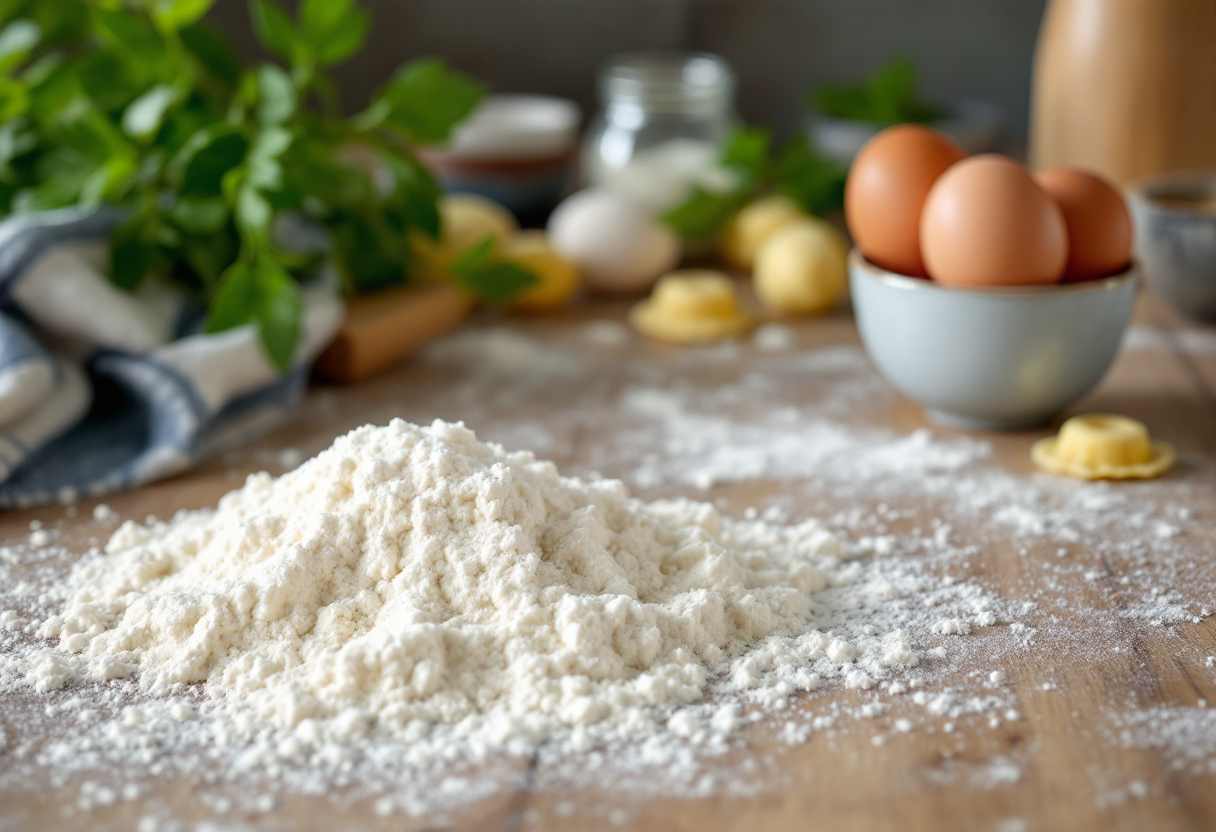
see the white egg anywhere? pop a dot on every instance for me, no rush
(616, 245)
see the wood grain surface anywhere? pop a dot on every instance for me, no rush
(1125, 87)
(1060, 767)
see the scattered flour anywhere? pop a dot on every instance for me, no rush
(771, 337)
(1186, 735)
(410, 577)
(604, 333)
(411, 606)
(1195, 341)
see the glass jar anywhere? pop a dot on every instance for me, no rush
(660, 131)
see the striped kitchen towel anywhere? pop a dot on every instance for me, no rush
(102, 389)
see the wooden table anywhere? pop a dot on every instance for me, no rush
(1064, 766)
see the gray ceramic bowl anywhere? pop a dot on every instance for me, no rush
(992, 359)
(1176, 246)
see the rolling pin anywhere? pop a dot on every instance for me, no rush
(384, 327)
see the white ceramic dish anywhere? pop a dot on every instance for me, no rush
(516, 127)
(990, 359)
(517, 150)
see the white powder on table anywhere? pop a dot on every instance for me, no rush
(930, 514)
(773, 337)
(411, 576)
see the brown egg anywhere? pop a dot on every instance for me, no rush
(1099, 226)
(987, 223)
(886, 190)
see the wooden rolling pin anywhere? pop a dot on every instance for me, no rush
(384, 327)
(1125, 87)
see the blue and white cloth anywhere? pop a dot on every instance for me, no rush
(102, 389)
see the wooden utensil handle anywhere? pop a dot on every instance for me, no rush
(386, 326)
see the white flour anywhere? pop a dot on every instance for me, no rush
(413, 600)
(410, 576)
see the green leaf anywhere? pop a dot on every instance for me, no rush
(279, 313)
(109, 80)
(797, 171)
(264, 169)
(276, 95)
(17, 40)
(177, 14)
(130, 257)
(7, 192)
(144, 116)
(207, 157)
(264, 293)
(120, 173)
(317, 17)
(333, 29)
(253, 211)
(61, 176)
(275, 29)
(88, 132)
(271, 143)
(842, 102)
(494, 281)
(207, 256)
(475, 257)
(166, 235)
(345, 40)
(213, 52)
(93, 188)
(315, 167)
(815, 183)
(200, 215)
(746, 151)
(889, 96)
(368, 255)
(14, 99)
(132, 34)
(415, 192)
(236, 299)
(427, 100)
(51, 94)
(498, 283)
(61, 21)
(16, 140)
(704, 213)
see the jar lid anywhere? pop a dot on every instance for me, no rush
(669, 80)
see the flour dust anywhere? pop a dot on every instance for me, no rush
(416, 620)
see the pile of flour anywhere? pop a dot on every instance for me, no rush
(412, 577)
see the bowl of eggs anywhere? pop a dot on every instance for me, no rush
(991, 296)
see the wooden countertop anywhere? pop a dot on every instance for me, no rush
(1065, 767)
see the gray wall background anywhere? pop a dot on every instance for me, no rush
(779, 48)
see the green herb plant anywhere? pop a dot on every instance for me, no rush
(795, 171)
(889, 96)
(141, 104)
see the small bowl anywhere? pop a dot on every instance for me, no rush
(1175, 243)
(975, 125)
(990, 359)
(517, 150)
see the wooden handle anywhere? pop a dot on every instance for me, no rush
(382, 328)
(1126, 87)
